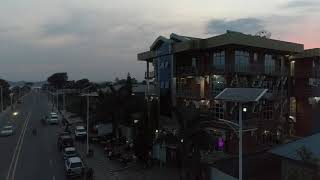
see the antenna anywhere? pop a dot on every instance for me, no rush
(263, 34)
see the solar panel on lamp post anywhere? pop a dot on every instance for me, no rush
(240, 96)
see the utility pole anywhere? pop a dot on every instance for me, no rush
(1, 98)
(240, 141)
(88, 125)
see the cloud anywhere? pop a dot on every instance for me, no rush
(245, 25)
(302, 4)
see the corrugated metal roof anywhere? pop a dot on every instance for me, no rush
(312, 144)
(308, 53)
(228, 38)
(217, 174)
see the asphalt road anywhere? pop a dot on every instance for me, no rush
(24, 156)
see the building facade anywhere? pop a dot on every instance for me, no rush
(305, 97)
(202, 68)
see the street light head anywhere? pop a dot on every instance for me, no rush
(157, 130)
(244, 109)
(15, 113)
(135, 121)
(181, 140)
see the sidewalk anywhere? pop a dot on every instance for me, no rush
(105, 169)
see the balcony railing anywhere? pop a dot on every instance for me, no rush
(316, 72)
(188, 93)
(228, 68)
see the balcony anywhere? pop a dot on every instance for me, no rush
(275, 94)
(260, 69)
(251, 69)
(188, 93)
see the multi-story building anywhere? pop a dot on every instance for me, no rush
(196, 70)
(305, 97)
(199, 69)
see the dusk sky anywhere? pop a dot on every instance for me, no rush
(100, 39)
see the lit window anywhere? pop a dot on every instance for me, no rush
(218, 84)
(218, 110)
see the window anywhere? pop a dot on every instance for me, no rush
(293, 106)
(218, 83)
(166, 64)
(292, 69)
(194, 62)
(161, 84)
(166, 84)
(219, 60)
(269, 64)
(161, 65)
(267, 111)
(241, 61)
(255, 57)
(218, 110)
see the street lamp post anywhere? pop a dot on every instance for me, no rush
(240, 141)
(88, 104)
(88, 95)
(241, 95)
(11, 96)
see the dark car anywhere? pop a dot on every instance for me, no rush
(65, 141)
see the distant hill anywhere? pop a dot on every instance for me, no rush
(21, 83)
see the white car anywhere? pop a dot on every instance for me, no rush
(7, 131)
(53, 118)
(74, 167)
(69, 152)
(80, 132)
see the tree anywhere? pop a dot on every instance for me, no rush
(29, 84)
(129, 84)
(58, 80)
(5, 92)
(82, 83)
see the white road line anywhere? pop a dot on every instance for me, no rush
(19, 150)
(16, 149)
(50, 162)
(53, 178)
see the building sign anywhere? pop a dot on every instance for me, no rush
(314, 82)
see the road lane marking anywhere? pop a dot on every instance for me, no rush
(19, 150)
(53, 178)
(50, 162)
(16, 149)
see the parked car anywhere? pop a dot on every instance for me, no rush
(74, 167)
(7, 130)
(65, 141)
(69, 152)
(53, 118)
(80, 132)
